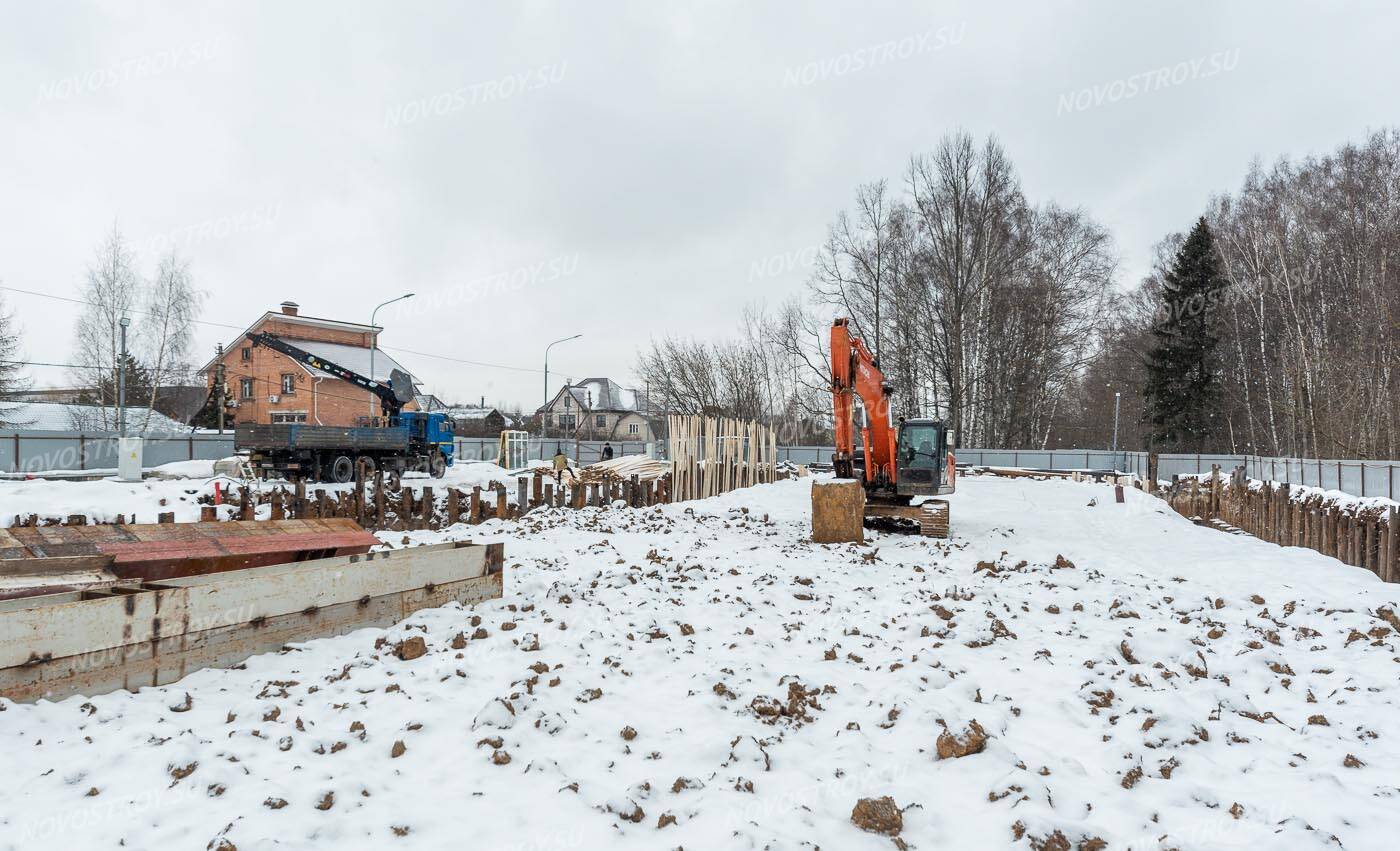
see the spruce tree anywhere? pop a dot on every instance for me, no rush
(1183, 386)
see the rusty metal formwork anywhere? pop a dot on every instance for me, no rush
(44, 559)
(145, 634)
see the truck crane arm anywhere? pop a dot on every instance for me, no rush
(392, 395)
(854, 372)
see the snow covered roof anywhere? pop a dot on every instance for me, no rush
(470, 413)
(354, 358)
(604, 394)
(56, 416)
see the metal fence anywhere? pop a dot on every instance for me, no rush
(40, 451)
(582, 451)
(1355, 477)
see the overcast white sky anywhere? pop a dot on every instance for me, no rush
(624, 167)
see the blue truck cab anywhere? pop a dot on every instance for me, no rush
(430, 433)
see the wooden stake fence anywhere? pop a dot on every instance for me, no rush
(379, 506)
(1363, 537)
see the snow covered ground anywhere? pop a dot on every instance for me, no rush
(700, 675)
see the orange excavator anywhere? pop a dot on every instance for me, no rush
(896, 462)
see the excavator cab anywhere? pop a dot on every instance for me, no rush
(921, 458)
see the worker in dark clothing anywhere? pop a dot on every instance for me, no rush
(607, 452)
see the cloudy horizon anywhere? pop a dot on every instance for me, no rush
(535, 171)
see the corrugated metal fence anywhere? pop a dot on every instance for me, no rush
(1359, 478)
(37, 451)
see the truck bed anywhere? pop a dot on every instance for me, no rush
(303, 436)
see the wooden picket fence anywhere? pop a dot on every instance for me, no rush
(1366, 537)
(714, 455)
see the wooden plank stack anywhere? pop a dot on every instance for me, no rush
(714, 455)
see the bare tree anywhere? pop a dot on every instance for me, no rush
(171, 307)
(110, 292)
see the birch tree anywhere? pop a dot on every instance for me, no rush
(111, 290)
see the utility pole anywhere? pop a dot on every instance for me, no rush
(220, 387)
(121, 381)
(1117, 397)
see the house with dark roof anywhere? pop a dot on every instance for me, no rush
(469, 420)
(597, 409)
(269, 387)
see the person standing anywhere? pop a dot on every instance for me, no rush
(607, 451)
(561, 463)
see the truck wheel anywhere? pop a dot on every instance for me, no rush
(437, 465)
(342, 469)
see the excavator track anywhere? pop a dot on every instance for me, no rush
(930, 519)
(933, 518)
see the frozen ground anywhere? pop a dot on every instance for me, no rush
(702, 676)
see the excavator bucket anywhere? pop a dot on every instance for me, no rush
(838, 512)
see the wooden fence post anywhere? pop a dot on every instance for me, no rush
(429, 509)
(502, 507)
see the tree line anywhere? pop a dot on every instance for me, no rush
(1269, 328)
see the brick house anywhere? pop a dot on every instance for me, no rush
(597, 409)
(269, 387)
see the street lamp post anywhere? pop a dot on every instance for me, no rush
(546, 379)
(125, 322)
(374, 342)
(1117, 397)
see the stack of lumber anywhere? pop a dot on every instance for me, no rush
(644, 468)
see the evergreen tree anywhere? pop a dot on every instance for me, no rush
(140, 384)
(11, 371)
(1183, 386)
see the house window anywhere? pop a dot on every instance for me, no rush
(288, 417)
(245, 388)
(634, 428)
(247, 354)
(568, 422)
(289, 383)
(568, 401)
(600, 421)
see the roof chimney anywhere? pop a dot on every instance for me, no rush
(290, 308)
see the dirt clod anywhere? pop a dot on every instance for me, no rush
(972, 740)
(878, 815)
(411, 648)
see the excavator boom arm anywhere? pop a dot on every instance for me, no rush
(388, 400)
(854, 372)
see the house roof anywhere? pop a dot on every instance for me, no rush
(57, 416)
(472, 412)
(603, 394)
(298, 319)
(354, 358)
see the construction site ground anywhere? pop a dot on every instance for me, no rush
(1064, 672)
